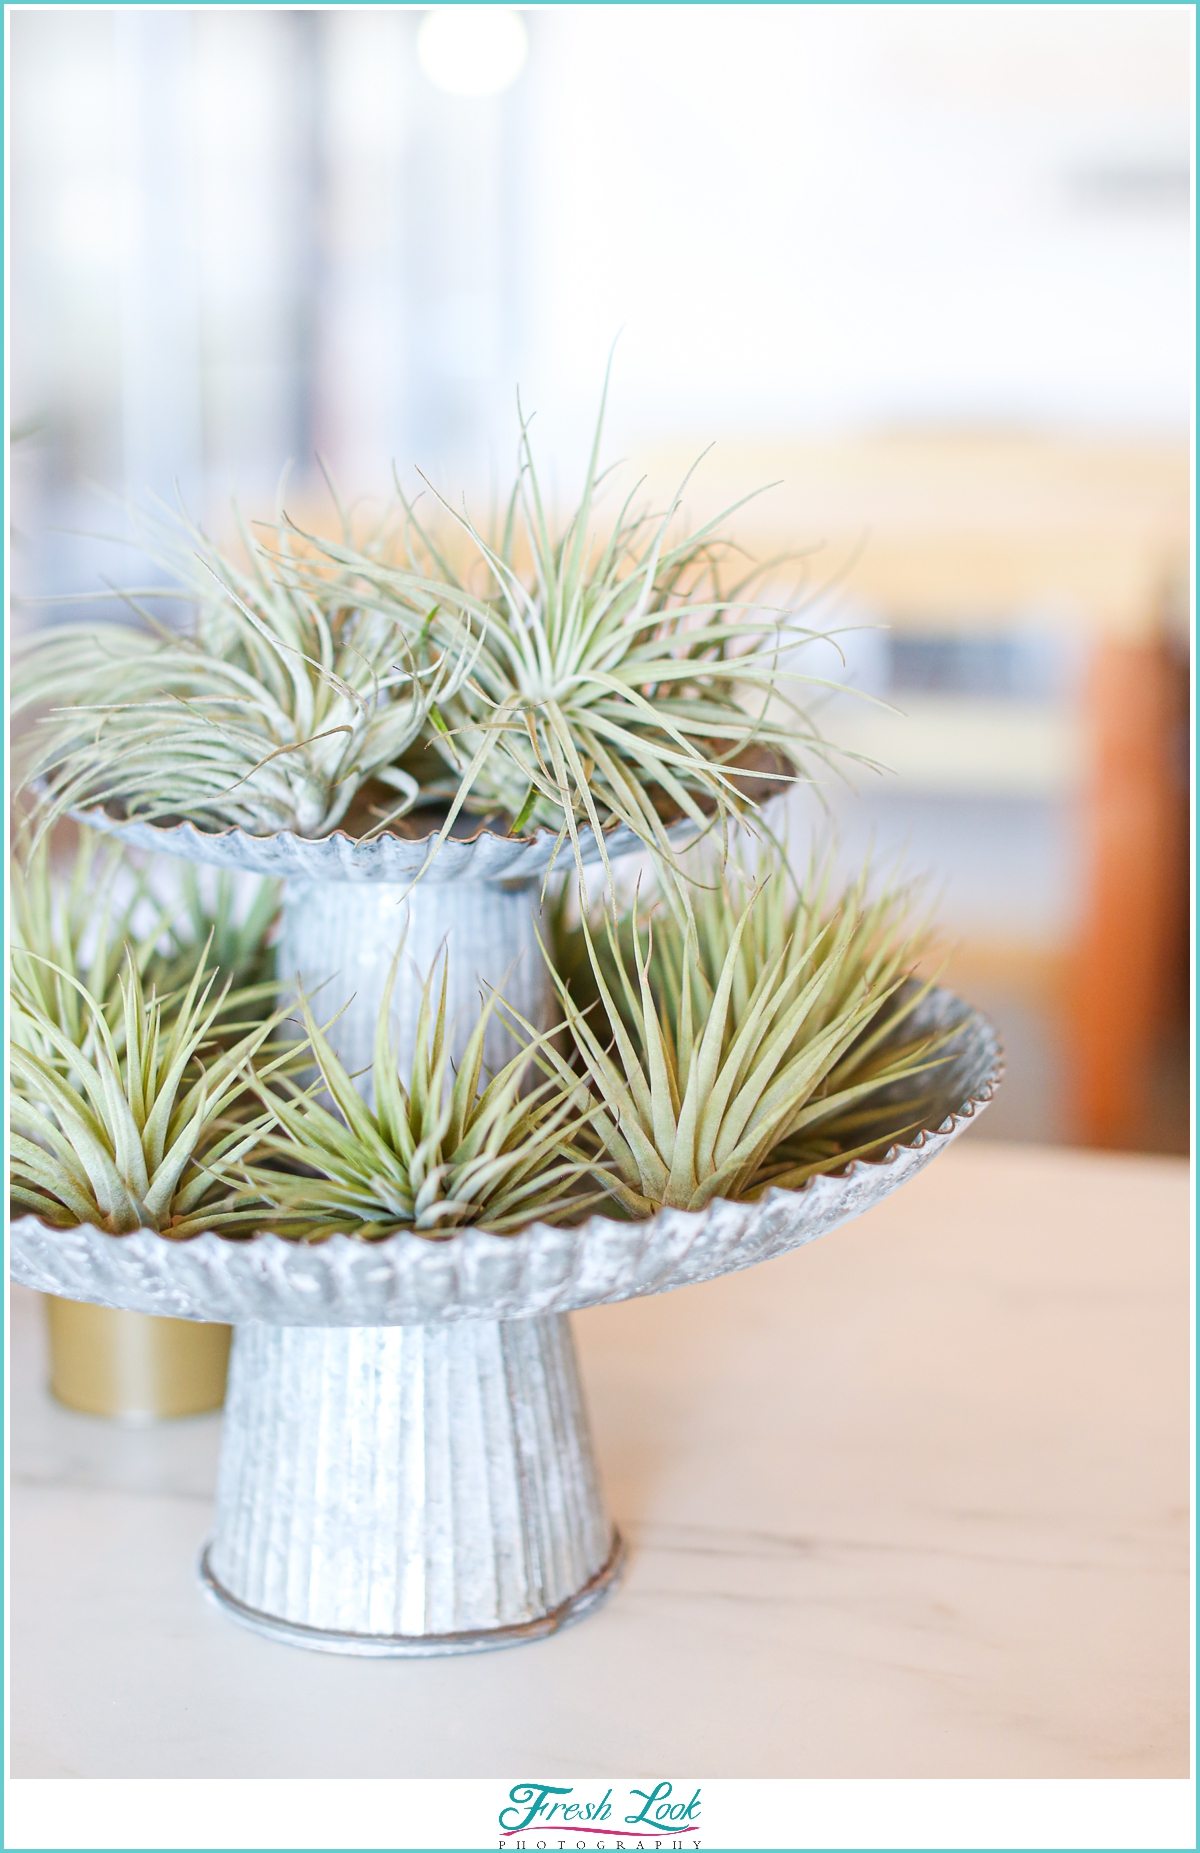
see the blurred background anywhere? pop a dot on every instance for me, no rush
(928, 270)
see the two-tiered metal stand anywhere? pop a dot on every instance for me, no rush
(406, 1466)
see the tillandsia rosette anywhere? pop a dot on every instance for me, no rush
(216, 926)
(71, 936)
(612, 680)
(268, 709)
(574, 677)
(134, 1125)
(68, 938)
(133, 1016)
(748, 1033)
(432, 1156)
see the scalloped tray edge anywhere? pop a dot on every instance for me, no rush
(411, 1279)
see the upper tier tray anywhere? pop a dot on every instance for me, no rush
(481, 857)
(407, 1279)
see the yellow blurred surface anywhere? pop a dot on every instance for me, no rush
(953, 530)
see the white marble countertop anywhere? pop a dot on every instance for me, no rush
(910, 1502)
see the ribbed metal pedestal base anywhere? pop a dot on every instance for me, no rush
(408, 1489)
(421, 1646)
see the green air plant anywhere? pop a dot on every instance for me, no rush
(432, 1156)
(80, 925)
(68, 937)
(269, 710)
(137, 1132)
(733, 1039)
(217, 929)
(610, 680)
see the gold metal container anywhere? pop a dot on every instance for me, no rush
(133, 1366)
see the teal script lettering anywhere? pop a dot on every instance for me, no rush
(658, 1808)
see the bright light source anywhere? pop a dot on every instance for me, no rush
(472, 51)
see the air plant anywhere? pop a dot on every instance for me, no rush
(70, 937)
(137, 1131)
(431, 1156)
(269, 711)
(614, 680)
(218, 930)
(735, 1039)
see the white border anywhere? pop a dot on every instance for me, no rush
(435, 1814)
(363, 1813)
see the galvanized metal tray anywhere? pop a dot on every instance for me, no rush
(483, 856)
(408, 1279)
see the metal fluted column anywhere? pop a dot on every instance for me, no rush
(339, 938)
(408, 1489)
